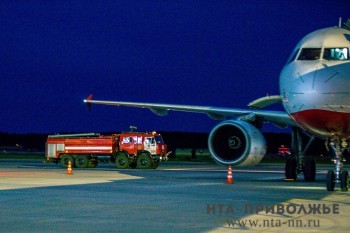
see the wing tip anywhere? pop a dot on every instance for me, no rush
(87, 103)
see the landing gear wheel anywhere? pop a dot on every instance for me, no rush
(144, 161)
(82, 161)
(122, 161)
(344, 181)
(330, 180)
(291, 169)
(310, 170)
(65, 159)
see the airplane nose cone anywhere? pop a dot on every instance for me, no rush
(317, 95)
(315, 86)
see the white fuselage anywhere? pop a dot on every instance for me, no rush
(315, 83)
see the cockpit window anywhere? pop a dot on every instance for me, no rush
(310, 54)
(336, 54)
(293, 56)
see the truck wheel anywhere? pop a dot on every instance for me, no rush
(155, 162)
(92, 163)
(144, 161)
(65, 159)
(122, 161)
(81, 161)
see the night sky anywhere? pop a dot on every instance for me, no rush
(214, 53)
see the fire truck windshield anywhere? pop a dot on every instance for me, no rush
(159, 140)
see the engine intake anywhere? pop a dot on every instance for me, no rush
(236, 143)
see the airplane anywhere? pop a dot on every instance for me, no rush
(314, 90)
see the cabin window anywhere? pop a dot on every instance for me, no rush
(127, 140)
(310, 54)
(150, 140)
(159, 139)
(336, 54)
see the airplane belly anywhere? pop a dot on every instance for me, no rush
(324, 123)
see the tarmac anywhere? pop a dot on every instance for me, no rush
(176, 197)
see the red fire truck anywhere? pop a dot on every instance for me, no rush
(126, 150)
(283, 150)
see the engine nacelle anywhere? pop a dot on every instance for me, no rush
(236, 143)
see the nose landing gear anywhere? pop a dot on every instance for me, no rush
(338, 176)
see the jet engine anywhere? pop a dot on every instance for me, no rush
(236, 143)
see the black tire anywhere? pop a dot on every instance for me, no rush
(344, 181)
(92, 163)
(310, 170)
(330, 180)
(122, 161)
(82, 161)
(156, 163)
(65, 159)
(144, 161)
(291, 169)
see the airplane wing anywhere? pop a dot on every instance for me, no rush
(279, 118)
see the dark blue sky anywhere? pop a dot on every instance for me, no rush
(220, 53)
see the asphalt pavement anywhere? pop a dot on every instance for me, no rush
(176, 197)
